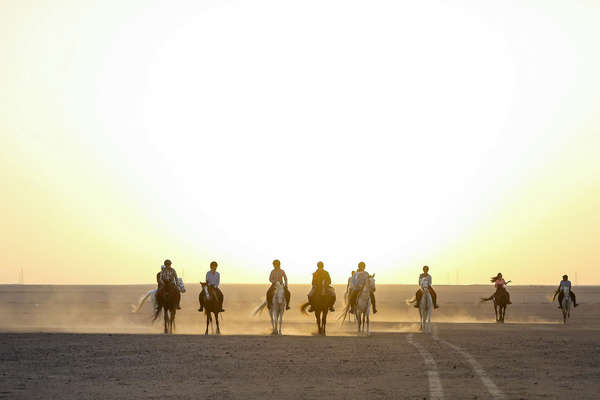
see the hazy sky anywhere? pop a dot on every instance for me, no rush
(459, 134)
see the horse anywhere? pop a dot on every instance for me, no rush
(151, 294)
(320, 301)
(277, 309)
(566, 303)
(500, 299)
(425, 307)
(167, 298)
(363, 306)
(211, 306)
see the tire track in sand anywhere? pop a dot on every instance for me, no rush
(435, 385)
(477, 368)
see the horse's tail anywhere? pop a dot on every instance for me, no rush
(344, 313)
(484, 299)
(410, 301)
(260, 309)
(141, 302)
(303, 308)
(157, 312)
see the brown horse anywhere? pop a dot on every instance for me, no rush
(500, 299)
(320, 301)
(167, 298)
(212, 306)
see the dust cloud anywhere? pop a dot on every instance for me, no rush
(107, 309)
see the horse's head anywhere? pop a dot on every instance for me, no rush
(566, 290)
(424, 283)
(203, 284)
(322, 288)
(372, 281)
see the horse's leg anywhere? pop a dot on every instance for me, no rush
(273, 320)
(207, 321)
(318, 317)
(324, 322)
(217, 321)
(281, 312)
(166, 319)
(368, 324)
(429, 312)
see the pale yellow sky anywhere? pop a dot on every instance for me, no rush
(463, 135)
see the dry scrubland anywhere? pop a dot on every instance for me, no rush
(78, 342)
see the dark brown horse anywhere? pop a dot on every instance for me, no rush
(167, 298)
(321, 300)
(500, 299)
(212, 306)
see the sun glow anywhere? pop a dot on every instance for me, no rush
(336, 131)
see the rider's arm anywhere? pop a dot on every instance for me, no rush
(285, 281)
(218, 279)
(272, 277)
(328, 280)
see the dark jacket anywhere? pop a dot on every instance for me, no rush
(319, 276)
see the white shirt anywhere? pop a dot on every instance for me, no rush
(213, 279)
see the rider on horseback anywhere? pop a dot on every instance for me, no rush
(500, 284)
(167, 277)
(565, 283)
(359, 279)
(419, 294)
(278, 275)
(320, 275)
(213, 279)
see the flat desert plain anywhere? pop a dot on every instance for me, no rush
(83, 342)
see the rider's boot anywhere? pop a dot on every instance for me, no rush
(372, 295)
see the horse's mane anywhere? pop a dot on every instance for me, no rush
(495, 278)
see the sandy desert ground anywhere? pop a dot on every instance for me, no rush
(77, 342)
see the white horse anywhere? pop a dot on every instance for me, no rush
(566, 303)
(278, 306)
(151, 294)
(363, 306)
(426, 306)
